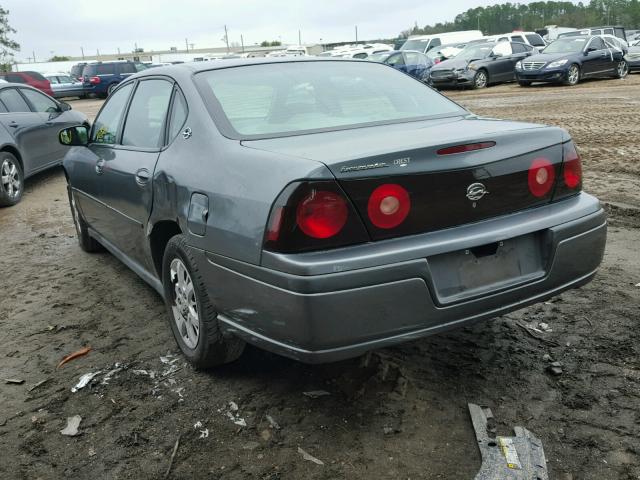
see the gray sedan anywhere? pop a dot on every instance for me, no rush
(63, 85)
(320, 208)
(30, 123)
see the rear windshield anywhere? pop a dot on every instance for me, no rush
(288, 98)
(35, 76)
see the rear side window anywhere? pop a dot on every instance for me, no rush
(127, 68)
(3, 109)
(147, 114)
(53, 80)
(535, 40)
(105, 70)
(178, 115)
(65, 79)
(105, 128)
(13, 100)
(502, 49)
(15, 78)
(620, 33)
(76, 70)
(40, 102)
(517, 38)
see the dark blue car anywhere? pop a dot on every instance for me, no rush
(101, 78)
(416, 64)
(571, 59)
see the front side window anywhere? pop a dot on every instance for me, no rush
(105, 128)
(252, 100)
(13, 100)
(62, 79)
(40, 102)
(53, 80)
(396, 60)
(147, 114)
(597, 43)
(535, 40)
(520, 48)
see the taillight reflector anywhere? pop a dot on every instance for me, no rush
(322, 214)
(541, 177)
(275, 224)
(469, 147)
(572, 168)
(389, 205)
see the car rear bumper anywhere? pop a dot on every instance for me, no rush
(331, 306)
(541, 75)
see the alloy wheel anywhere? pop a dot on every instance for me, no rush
(481, 79)
(185, 304)
(574, 75)
(10, 179)
(623, 69)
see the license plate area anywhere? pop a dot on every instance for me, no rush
(488, 268)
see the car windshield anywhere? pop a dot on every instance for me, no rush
(567, 45)
(379, 57)
(287, 98)
(418, 45)
(475, 52)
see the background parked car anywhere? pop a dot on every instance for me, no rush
(416, 64)
(445, 52)
(33, 79)
(101, 78)
(618, 31)
(528, 38)
(570, 59)
(633, 59)
(480, 65)
(76, 70)
(30, 123)
(64, 85)
(424, 43)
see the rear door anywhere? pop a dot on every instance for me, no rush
(125, 168)
(27, 129)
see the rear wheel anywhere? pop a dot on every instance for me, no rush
(573, 75)
(481, 79)
(524, 83)
(622, 69)
(192, 316)
(11, 180)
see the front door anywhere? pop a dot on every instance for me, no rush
(597, 58)
(500, 67)
(124, 169)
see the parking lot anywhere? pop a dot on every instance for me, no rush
(396, 413)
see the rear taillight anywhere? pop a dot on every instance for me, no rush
(570, 181)
(322, 214)
(541, 177)
(313, 215)
(388, 206)
(94, 80)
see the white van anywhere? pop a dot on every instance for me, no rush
(424, 43)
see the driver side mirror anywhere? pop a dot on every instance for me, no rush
(64, 106)
(589, 50)
(74, 136)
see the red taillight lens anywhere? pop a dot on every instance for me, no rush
(94, 80)
(541, 177)
(389, 205)
(322, 214)
(275, 224)
(572, 166)
(437, 60)
(469, 147)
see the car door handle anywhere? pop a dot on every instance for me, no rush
(13, 124)
(100, 166)
(142, 176)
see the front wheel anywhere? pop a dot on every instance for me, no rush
(622, 69)
(481, 79)
(573, 75)
(192, 316)
(11, 180)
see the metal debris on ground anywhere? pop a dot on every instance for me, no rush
(316, 393)
(14, 381)
(236, 419)
(39, 384)
(84, 380)
(275, 425)
(507, 458)
(233, 406)
(71, 430)
(173, 456)
(555, 368)
(78, 353)
(309, 457)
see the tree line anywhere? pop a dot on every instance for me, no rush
(507, 17)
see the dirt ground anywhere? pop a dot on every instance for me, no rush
(397, 413)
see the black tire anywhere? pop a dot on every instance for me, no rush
(87, 242)
(524, 83)
(212, 348)
(481, 79)
(622, 69)
(573, 75)
(11, 180)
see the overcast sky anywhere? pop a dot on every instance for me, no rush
(63, 26)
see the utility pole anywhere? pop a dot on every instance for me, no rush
(118, 50)
(356, 34)
(186, 42)
(226, 37)
(34, 56)
(299, 38)
(242, 42)
(98, 52)
(82, 50)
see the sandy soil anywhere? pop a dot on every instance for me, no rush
(396, 413)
